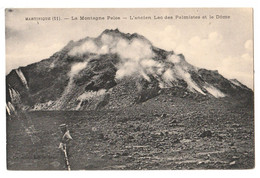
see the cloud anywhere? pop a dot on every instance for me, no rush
(136, 54)
(15, 19)
(182, 73)
(203, 52)
(213, 39)
(208, 53)
(21, 56)
(107, 39)
(136, 57)
(87, 47)
(240, 67)
(168, 76)
(166, 38)
(127, 69)
(76, 68)
(135, 50)
(214, 91)
(174, 59)
(91, 94)
(169, 37)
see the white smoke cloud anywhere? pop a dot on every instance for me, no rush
(174, 59)
(88, 46)
(192, 86)
(103, 50)
(135, 50)
(136, 55)
(136, 60)
(91, 94)
(107, 39)
(152, 66)
(76, 68)
(22, 77)
(168, 76)
(128, 68)
(214, 91)
(149, 63)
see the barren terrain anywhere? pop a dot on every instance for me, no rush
(161, 133)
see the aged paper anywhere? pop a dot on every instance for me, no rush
(129, 89)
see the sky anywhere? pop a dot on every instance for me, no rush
(225, 45)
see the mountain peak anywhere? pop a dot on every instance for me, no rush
(111, 30)
(106, 69)
(118, 33)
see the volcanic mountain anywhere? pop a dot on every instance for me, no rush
(113, 70)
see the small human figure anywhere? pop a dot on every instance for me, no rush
(66, 137)
(64, 143)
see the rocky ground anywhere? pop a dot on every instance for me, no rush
(162, 133)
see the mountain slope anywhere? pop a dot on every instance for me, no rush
(114, 70)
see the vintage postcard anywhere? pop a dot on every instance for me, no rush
(129, 89)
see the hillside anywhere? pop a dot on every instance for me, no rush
(112, 70)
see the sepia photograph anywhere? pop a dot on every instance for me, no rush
(129, 89)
